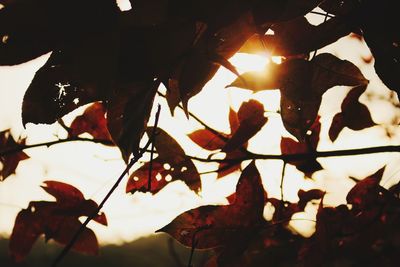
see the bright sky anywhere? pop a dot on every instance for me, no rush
(93, 168)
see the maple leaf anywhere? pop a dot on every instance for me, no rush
(244, 125)
(56, 220)
(290, 146)
(10, 161)
(171, 164)
(353, 115)
(224, 227)
(92, 121)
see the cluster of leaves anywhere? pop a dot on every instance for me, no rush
(57, 220)
(118, 60)
(363, 232)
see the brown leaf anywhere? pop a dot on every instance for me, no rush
(10, 161)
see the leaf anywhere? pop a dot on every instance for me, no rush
(307, 196)
(170, 165)
(290, 146)
(10, 161)
(207, 139)
(296, 37)
(329, 71)
(198, 66)
(56, 220)
(34, 28)
(251, 120)
(383, 45)
(75, 75)
(92, 121)
(366, 191)
(275, 11)
(353, 115)
(128, 113)
(216, 226)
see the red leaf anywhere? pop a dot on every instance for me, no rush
(63, 192)
(251, 120)
(170, 165)
(225, 168)
(56, 220)
(207, 139)
(26, 231)
(290, 146)
(92, 121)
(10, 161)
(215, 226)
(366, 191)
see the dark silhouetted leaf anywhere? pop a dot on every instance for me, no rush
(75, 75)
(365, 192)
(307, 196)
(297, 36)
(170, 165)
(92, 121)
(33, 28)
(128, 113)
(10, 161)
(56, 220)
(290, 146)
(251, 120)
(275, 11)
(354, 115)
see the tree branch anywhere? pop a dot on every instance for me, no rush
(21, 147)
(310, 155)
(135, 158)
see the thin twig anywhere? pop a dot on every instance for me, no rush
(310, 155)
(21, 147)
(135, 158)
(282, 178)
(153, 136)
(322, 14)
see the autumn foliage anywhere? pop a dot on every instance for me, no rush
(116, 60)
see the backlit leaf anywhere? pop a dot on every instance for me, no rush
(92, 121)
(55, 220)
(215, 226)
(170, 165)
(10, 161)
